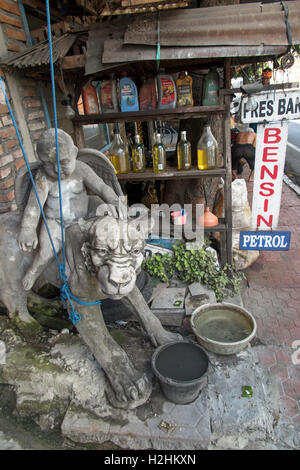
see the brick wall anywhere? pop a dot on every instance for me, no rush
(11, 157)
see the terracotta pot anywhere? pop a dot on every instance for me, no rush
(208, 219)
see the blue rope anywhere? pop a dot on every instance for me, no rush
(55, 123)
(66, 294)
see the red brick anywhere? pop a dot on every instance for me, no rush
(7, 184)
(16, 34)
(35, 126)
(6, 120)
(5, 172)
(267, 358)
(6, 197)
(279, 372)
(288, 389)
(10, 7)
(31, 103)
(19, 163)
(7, 132)
(3, 109)
(28, 83)
(10, 20)
(35, 115)
(11, 143)
(17, 154)
(289, 407)
(11, 46)
(29, 92)
(5, 208)
(5, 160)
(283, 358)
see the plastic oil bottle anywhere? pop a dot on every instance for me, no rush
(159, 155)
(211, 88)
(118, 153)
(184, 84)
(184, 156)
(207, 150)
(138, 155)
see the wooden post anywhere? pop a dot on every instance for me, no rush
(227, 156)
(79, 135)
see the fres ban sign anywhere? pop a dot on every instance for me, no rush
(272, 107)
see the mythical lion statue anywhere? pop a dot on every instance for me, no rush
(103, 257)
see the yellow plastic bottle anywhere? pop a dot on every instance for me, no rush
(207, 150)
(184, 84)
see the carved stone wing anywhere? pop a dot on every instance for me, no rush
(23, 184)
(102, 166)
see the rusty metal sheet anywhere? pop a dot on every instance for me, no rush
(117, 51)
(233, 25)
(98, 34)
(39, 54)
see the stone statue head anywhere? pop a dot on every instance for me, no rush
(46, 150)
(114, 253)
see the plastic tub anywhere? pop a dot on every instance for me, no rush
(223, 328)
(181, 368)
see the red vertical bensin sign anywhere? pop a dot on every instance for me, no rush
(271, 142)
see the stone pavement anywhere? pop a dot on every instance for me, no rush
(273, 297)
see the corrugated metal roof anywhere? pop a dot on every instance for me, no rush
(233, 25)
(117, 51)
(39, 54)
(243, 30)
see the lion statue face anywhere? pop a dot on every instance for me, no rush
(114, 253)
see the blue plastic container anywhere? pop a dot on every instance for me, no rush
(129, 95)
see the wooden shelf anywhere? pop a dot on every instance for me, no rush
(153, 114)
(170, 174)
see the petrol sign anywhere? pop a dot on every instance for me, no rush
(265, 241)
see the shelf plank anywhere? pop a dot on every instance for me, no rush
(150, 115)
(170, 174)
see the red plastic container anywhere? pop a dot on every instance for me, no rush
(90, 100)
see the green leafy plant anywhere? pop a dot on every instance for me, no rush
(195, 266)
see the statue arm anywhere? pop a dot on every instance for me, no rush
(32, 213)
(97, 185)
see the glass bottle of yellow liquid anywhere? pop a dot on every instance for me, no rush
(207, 150)
(138, 155)
(118, 153)
(159, 155)
(184, 156)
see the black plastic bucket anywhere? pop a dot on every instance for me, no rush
(181, 368)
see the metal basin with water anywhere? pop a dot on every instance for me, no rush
(223, 328)
(181, 368)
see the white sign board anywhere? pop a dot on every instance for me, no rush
(272, 106)
(271, 142)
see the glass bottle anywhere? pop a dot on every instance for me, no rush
(118, 153)
(159, 155)
(138, 155)
(207, 150)
(184, 156)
